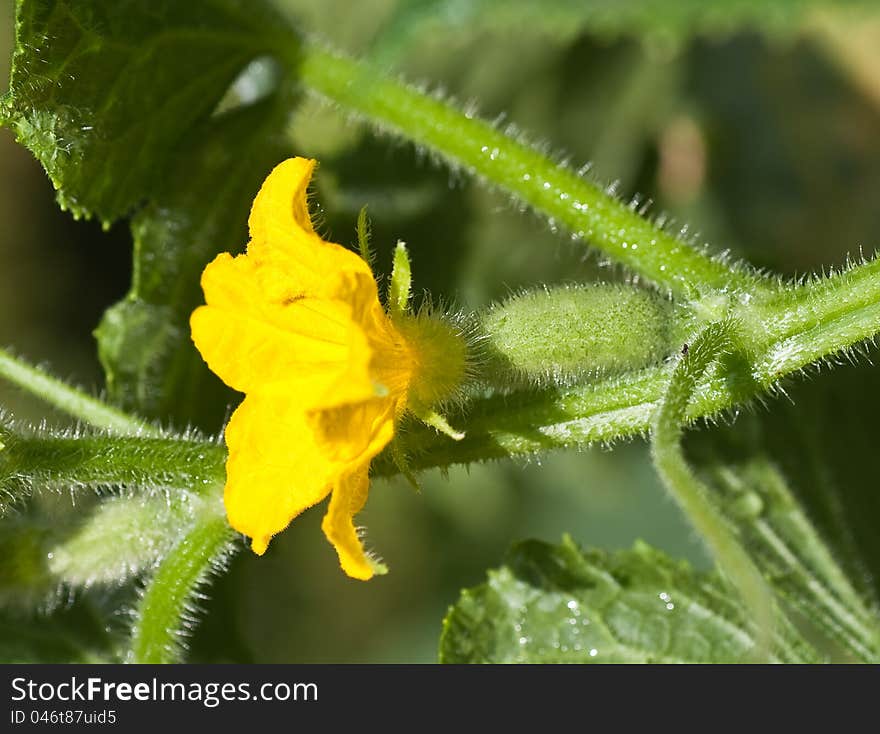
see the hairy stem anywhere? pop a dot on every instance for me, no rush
(781, 335)
(70, 400)
(691, 494)
(503, 160)
(165, 611)
(98, 461)
(808, 322)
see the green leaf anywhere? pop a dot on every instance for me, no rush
(794, 484)
(128, 103)
(792, 556)
(102, 90)
(824, 440)
(560, 604)
(144, 342)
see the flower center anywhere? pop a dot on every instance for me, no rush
(437, 358)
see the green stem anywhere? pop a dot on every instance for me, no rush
(692, 495)
(70, 400)
(98, 461)
(781, 336)
(814, 320)
(500, 158)
(162, 614)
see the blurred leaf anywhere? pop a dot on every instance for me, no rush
(144, 341)
(25, 580)
(654, 19)
(824, 439)
(122, 536)
(102, 90)
(406, 201)
(792, 556)
(560, 604)
(795, 190)
(48, 548)
(796, 485)
(67, 636)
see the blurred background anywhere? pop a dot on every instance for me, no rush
(759, 132)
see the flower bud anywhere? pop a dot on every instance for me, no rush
(563, 335)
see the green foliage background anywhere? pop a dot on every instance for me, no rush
(755, 128)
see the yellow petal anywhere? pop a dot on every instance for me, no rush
(348, 498)
(301, 346)
(275, 470)
(282, 235)
(297, 324)
(355, 432)
(393, 361)
(282, 202)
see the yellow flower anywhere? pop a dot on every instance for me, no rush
(296, 324)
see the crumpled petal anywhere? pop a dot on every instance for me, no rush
(355, 432)
(275, 469)
(296, 344)
(348, 498)
(281, 206)
(282, 236)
